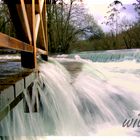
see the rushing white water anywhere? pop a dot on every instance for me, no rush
(110, 55)
(95, 100)
(109, 93)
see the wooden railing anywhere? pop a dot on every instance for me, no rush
(29, 19)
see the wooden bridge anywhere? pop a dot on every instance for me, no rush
(29, 18)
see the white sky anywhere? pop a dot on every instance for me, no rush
(98, 9)
(101, 5)
(106, 1)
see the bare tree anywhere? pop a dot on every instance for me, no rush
(113, 17)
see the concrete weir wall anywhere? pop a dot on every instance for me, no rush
(12, 93)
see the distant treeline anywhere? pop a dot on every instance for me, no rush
(128, 39)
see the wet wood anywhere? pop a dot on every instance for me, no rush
(26, 21)
(43, 24)
(40, 51)
(33, 33)
(29, 19)
(37, 25)
(12, 43)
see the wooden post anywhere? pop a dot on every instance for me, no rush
(33, 33)
(26, 21)
(44, 24)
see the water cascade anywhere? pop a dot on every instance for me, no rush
(80, 97)
(110, 55)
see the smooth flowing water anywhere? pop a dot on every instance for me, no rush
(80, 97)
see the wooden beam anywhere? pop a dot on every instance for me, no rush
(26, 21)
(40, 51)
(45, 24)
(12, 43)
(33, 34)
(29, 15)
(42, 25)
(41, 3)
(38, 17)
(37, 25)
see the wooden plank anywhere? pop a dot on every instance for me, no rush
(37, 25)
(39, 8)
(44, 16)
(33, 27)
(40, 51)
(42, 31)
(45, 24)
(12, 43)
(42, 39)
(26, 21)
(41, 3)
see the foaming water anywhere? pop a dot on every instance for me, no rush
(110, 55)
(60, 99)
(109, 93)
(96, 101)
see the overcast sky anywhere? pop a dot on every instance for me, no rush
(98, 9)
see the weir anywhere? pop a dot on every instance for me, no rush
(11, 92)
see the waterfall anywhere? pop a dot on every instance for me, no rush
(109, 55)
(79, 97)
